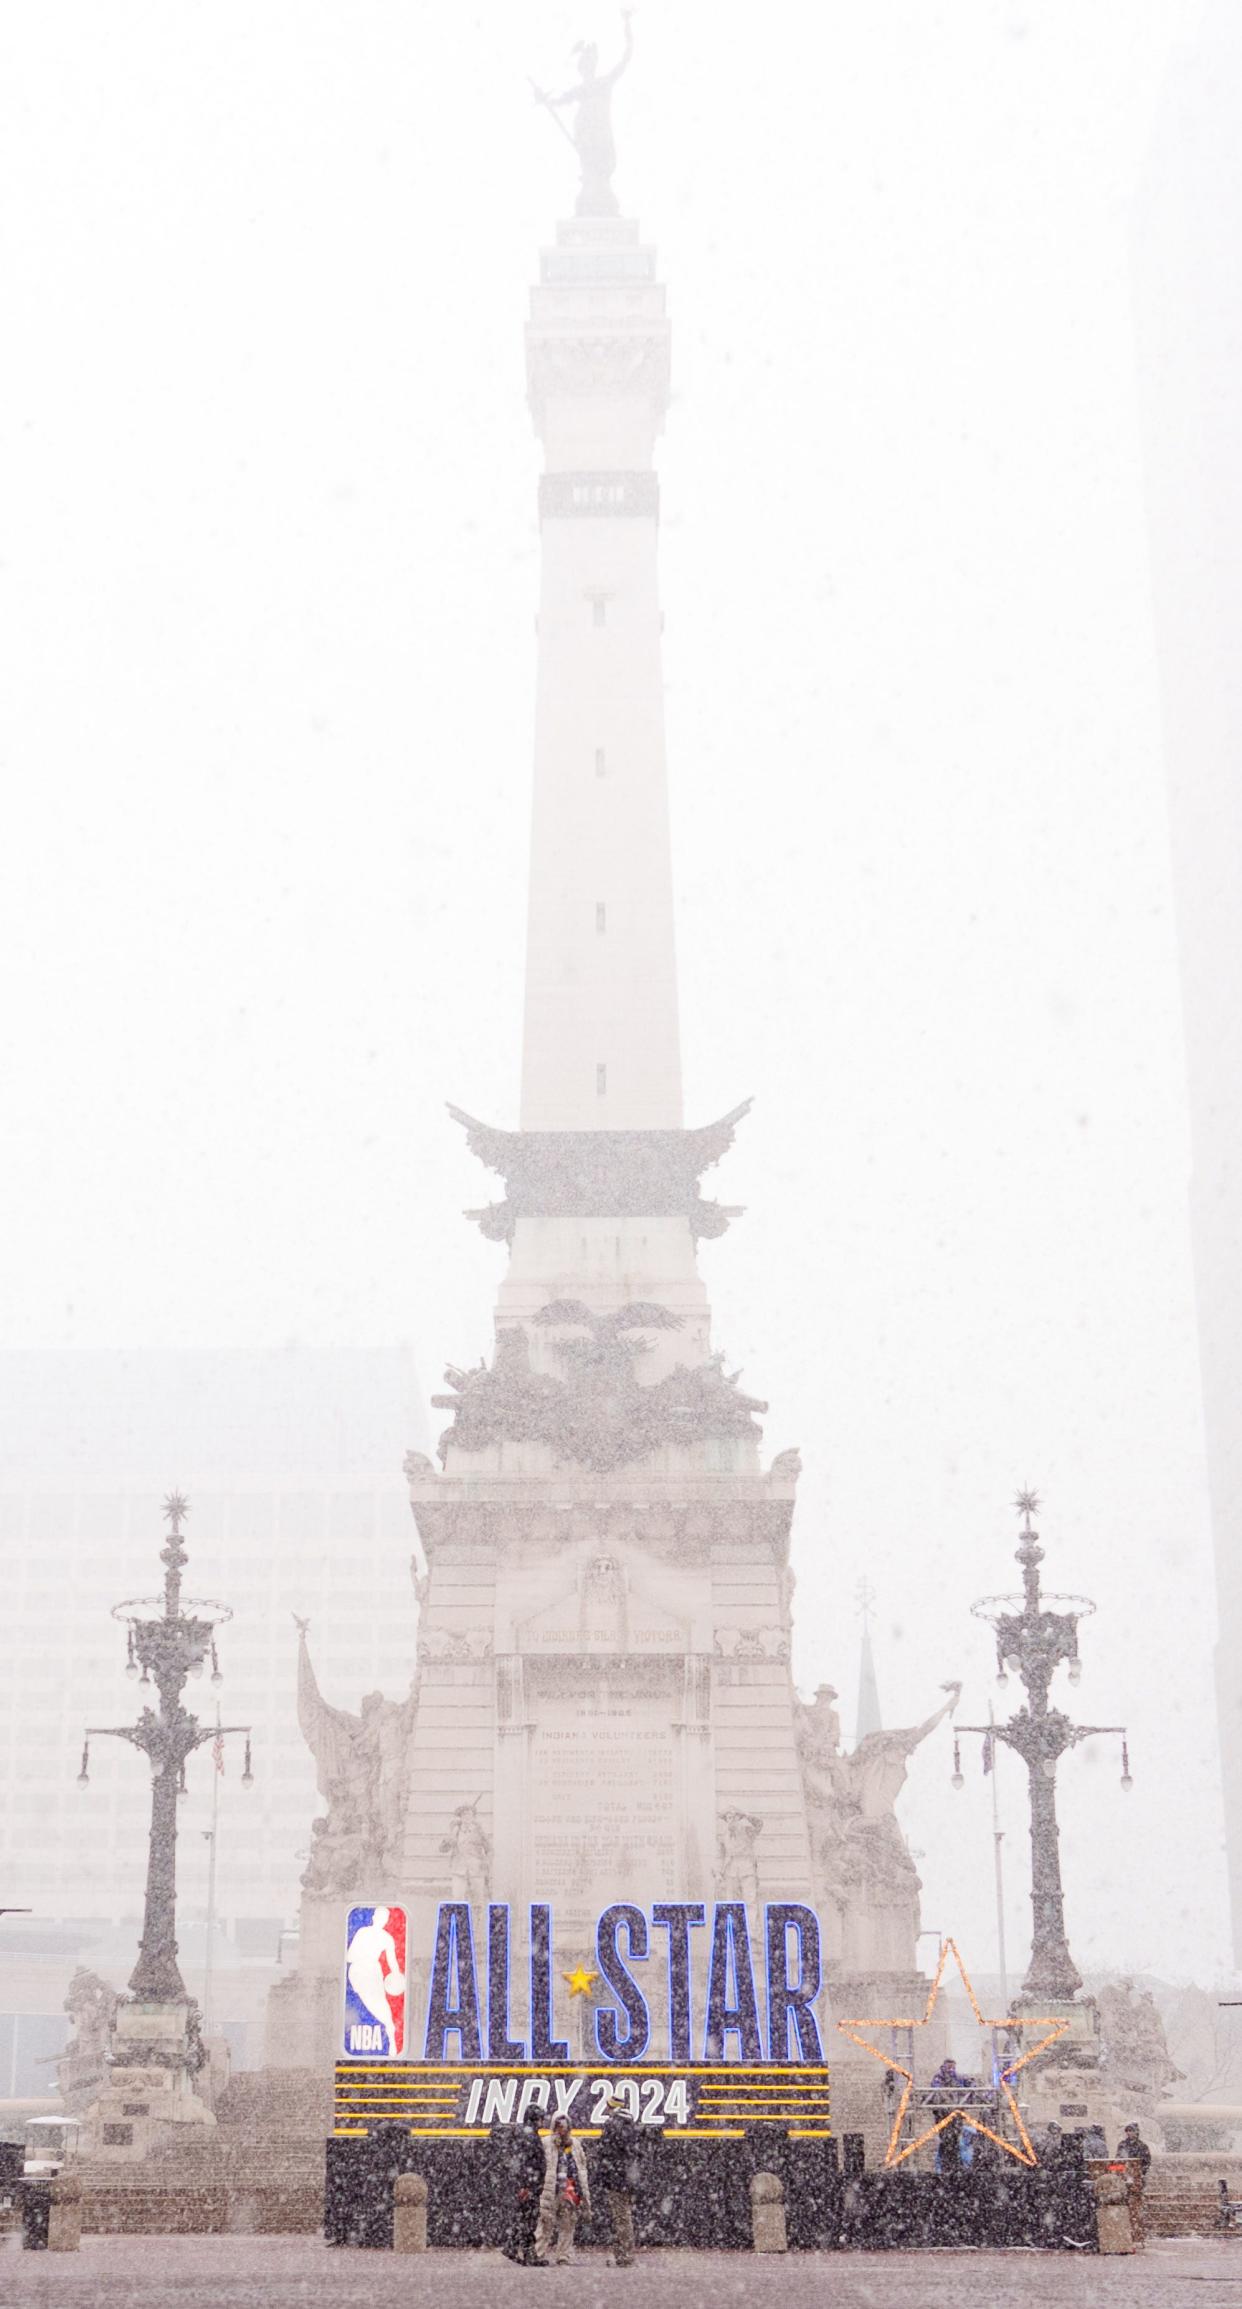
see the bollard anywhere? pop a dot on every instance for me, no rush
(409, 2213)
(1113, 2227)
(767, 2214)
(35, 2195)
(64, 2223)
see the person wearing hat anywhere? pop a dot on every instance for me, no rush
(566, 2193)
(524, 2161)
(1134, 2149)
(616, 2170)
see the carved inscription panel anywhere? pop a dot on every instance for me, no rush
(604, 1811)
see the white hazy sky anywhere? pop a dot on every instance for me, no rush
(269, 585)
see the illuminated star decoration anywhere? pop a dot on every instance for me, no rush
(1027, 1503)
(1025, 2155)
(176, 1508)
(580, 1980)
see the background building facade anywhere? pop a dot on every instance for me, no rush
(292, 1463)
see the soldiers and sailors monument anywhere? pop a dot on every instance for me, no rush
(601, 1707)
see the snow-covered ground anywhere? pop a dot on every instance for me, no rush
(302, 2273)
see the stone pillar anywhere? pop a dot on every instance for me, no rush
(767, 2214)
(64, 2223)
(409, 2213)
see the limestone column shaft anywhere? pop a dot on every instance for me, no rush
(601, 1045)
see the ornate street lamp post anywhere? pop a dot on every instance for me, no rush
(1032, 1641)
(167, 1642)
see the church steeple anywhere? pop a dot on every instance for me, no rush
(869, 1718)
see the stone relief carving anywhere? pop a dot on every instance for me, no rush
(360, 1763)
(82, 2068)
(599, 1415)
(863, 1869)
(590, 1598)
(456, 1644)
(593, 364)
(469, 1852)
(338, 1854)
(752, 1644)
(1135, 2047)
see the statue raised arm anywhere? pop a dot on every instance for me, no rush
(333, 1735)
(877, 1769)
(361, 1765)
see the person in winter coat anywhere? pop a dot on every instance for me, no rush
(566, 2193)
(949, 2089)
(1134, 2149)
(524, 2163)
(616, 2172)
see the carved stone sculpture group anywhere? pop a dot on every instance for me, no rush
(600, 1414)
(865, 1878)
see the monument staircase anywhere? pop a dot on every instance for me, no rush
(258, 2171)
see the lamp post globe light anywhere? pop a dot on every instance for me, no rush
(1035, 1635)
(168, 1639)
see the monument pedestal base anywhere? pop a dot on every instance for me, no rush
(303, 2027)
(898, 2000)
(304, 2010)
(1066, 2085)
(150, 2099)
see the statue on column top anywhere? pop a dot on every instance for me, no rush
(591, 134)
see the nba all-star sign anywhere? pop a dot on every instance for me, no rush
(734, 1995)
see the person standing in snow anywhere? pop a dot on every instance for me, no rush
(524, 2162)
(1134, 2149)
(616, 2171)
(566, 2193)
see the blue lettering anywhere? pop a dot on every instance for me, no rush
(731, 1956)
(629, 1995)
(677, 1917)
(453, 2001)
(545, 2047)
(500, 2045)
(791, 2001)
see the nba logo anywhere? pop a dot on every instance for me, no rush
(375, 1982)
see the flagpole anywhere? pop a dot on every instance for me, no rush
(998, 1838)
(211, 1878)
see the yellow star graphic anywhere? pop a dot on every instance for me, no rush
(1025, 2155)
(580, 1980)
